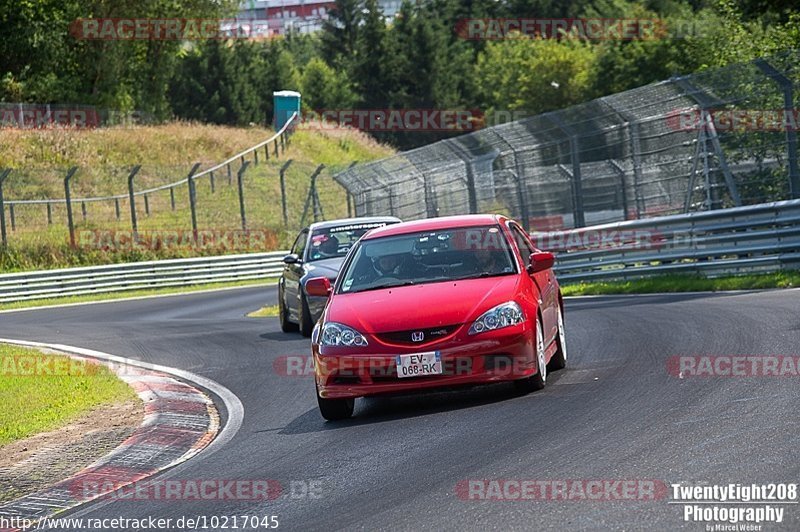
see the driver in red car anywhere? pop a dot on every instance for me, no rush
(485, 261)
(388, 266)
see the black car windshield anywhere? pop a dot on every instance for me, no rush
(426, 257)
(332, 242)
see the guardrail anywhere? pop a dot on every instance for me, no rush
(751, 239)
(756, 238)
(26, 286)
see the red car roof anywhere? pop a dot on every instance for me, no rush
(434, 224)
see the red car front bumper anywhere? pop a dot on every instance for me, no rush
(497, 356)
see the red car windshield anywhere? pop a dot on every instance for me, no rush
(428, 256)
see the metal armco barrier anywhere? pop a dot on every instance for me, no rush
(753, 239)
(47, 284)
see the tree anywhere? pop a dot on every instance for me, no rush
(325, 89)
(340, 32)
(534, 75)
(370, 67)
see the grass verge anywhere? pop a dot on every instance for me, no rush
(685, 283)
(265, 312)
(38, 238)
(115, 296)
(37, 396)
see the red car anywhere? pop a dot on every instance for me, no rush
(442, 302)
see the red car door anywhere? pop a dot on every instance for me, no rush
(543, 280)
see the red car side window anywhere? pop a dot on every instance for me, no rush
(523, 244)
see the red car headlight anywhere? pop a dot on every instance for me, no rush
(336, 334)
(503, 315)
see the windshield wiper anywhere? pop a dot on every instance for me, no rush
(483, 275)
(386, 285)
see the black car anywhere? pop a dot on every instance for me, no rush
(318, 251)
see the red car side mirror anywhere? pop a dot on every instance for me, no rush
(319, 287)
(540, 261)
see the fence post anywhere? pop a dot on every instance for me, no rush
(317, 204)
(791, 134)
(132, 201)
(193, 198)
(266, 151)
(230, 175)
(523, 205)
(624, 197)
(284, 208)
(577, 181)
(211, 180)
(276, 148)
(255, 157)
(146, 205)
(472, 195)
(575, 158)
(710, 134)
(430, 202)
(12, 216)
(68, 200)
(83, 210)
(172, 197)
(116, 207)
(350, 197)
(240, 184)
(391, 201)
(312, 200)
(3, 176)
(49, 213)
(636, 152)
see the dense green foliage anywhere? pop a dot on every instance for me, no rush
(416, 60)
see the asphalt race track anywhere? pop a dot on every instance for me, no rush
(614, 413)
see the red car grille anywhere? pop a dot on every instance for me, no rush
(418, 336)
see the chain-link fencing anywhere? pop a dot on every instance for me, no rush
(715, 139)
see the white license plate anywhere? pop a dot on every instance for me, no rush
(419, 364)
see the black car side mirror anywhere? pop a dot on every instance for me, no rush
(292, 258)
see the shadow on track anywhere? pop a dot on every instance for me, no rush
(381, 409)
(279, 336)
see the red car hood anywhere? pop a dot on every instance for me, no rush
(421, 306)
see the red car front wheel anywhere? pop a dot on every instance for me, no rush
(537, 381)
(336, 409)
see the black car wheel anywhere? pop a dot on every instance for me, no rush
(306, 323)
(283, 314)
